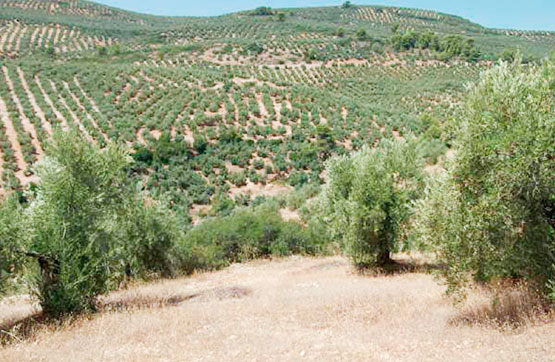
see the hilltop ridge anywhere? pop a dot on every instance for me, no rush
(109, 22)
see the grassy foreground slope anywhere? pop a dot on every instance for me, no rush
(243, 104)
(290, 309)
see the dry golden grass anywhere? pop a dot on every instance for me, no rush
(13, 309)
(295, 309)
(507, 305)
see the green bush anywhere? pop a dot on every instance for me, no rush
(298, 198)
(340, 32)
(361, 34)
(492, 215)
(432, 149)
(246, 234)
(149, 235)
(366, 197)
(200, 144)
(11, 241)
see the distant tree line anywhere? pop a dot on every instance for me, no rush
(447, 46)
(262, 11)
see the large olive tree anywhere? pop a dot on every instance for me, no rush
(73, 222)
(89, 228)
(493, 213)
(366, 199)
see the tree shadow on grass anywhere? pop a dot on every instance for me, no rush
(402, 265)
(27, 328)
(23, 329)
(146, 301)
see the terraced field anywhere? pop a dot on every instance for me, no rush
(238, 106)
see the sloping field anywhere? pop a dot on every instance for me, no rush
(236, 105)
(296, 309)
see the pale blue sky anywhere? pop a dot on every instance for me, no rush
(514, 14)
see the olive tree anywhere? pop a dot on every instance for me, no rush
(365, 200)
(87, 226)
(493, 213)
(73, 222)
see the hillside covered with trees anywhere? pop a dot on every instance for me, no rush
(136, 147)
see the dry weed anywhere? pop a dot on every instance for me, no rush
(294, 309)
(506, 305)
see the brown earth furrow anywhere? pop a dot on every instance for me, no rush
(48, 101)
(25, 122)
(36, 108)
(11, 133)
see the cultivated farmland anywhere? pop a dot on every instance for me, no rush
(140, 155)
(237, 100)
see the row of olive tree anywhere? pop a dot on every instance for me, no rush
(490, 215)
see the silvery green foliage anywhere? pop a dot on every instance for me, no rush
(148, 235)
(11, 241)
(89, 227)
(73, 222)
(492, 214)
(366, 197)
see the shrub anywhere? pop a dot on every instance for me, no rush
(200, 144)
(149, 234)
(254, 49)
(11, 236)
(340, 32)
(165, 149)
(246, 234)
(492, 215)
(238, 178)
(361, 34)
(102, 51)
(313, 54)
(378, 48)
(432, 149)
(366, 196)
(298, 198)
(222, 204)
(297, 178)
(325, 142)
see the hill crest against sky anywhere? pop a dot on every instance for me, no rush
(529, 15)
